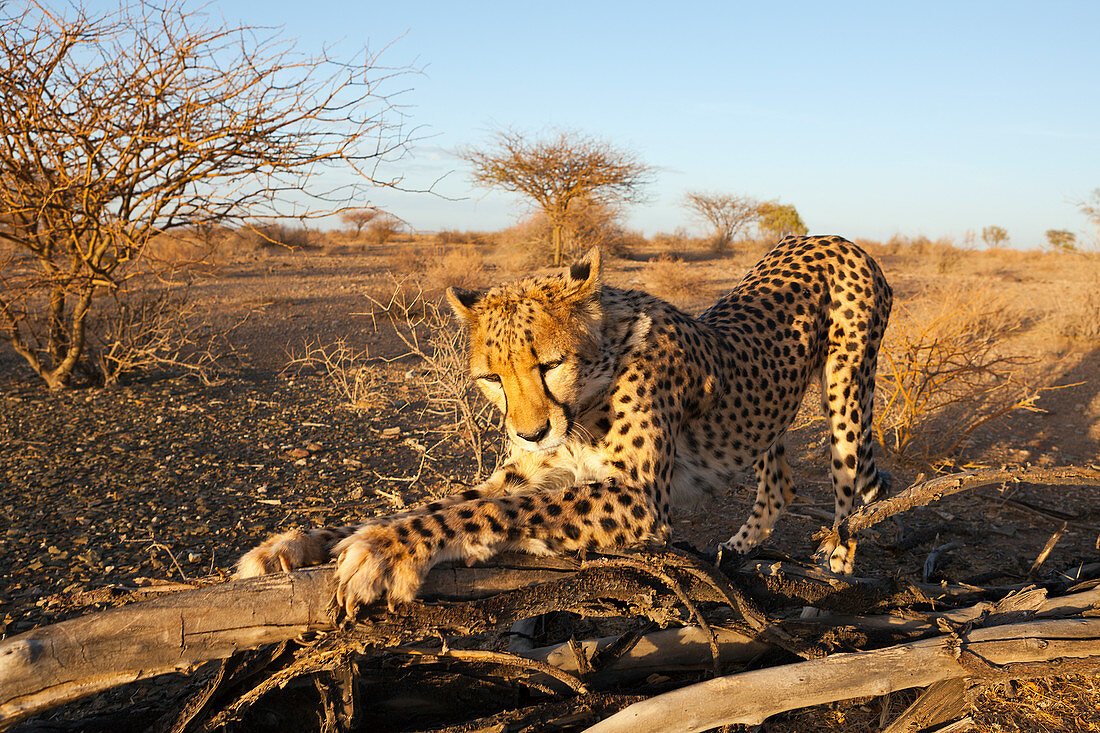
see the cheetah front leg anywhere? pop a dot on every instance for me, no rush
(305, 548)
(774, 492)
(389, 561)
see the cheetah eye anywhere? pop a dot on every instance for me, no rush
(494, 378)
(550, 365)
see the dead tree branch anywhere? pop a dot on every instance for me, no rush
(1003, 652)
(935, 489)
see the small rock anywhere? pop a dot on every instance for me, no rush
(300, 462)
(297, 453)
(314, 447)
(391, 432)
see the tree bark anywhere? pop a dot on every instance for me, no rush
(1001, 652)
(935, 489)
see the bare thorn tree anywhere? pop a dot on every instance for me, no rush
(558, 170)
(120, 128)
(728, 214)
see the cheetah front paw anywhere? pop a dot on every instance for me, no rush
(282, 553)
(375, 563)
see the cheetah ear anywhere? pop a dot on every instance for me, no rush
(584, 275)
(463, 302)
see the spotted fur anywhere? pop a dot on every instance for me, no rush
(619, 407)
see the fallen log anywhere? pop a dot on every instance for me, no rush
(1003, 652)
(686, 648)
(55, 664)
(926, 492)
(177, 632)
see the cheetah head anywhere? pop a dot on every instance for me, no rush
(529, 345)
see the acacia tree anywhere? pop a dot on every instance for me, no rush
(1062, 240)
(994, 236)
(558, 170)
(776, 220)
(120, 128)
(359, 218)
(728, 214)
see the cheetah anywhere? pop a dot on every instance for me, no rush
(618, 407)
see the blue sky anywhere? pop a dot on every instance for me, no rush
(871, 118)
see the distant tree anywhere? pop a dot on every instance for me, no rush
(121, 128)
(557, 170)
(1062, 240)
(359, 218)
(1090, 207)
(383, 228)
(728, 214)
(776, 220)
(994, 236)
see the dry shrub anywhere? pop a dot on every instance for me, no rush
(140, 329)
(346, 370)
(944, 371)
(276, 235)
(674, 244)
(462, 266)
(383, 228)
(427, 329)
(408, 259)
(673, 279)
(588, 224)
(453, 236)
(520, 250)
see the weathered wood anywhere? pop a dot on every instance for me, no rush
(943, 702)
(926, 492)
(751, 697)
(668, 650)
(177, 632)
(687, 648)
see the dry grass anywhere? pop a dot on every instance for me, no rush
(674, 280)
(1054, 705)
(945, 370)
(461, 266)
(1076, 317)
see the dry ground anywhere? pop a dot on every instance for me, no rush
(164, 478)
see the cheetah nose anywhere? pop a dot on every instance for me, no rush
(537, 434)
